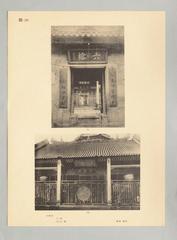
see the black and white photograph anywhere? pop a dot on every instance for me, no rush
(89, 171)
(87, 76)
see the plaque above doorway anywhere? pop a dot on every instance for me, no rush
(87, 56)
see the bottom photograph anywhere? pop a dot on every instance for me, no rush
(88, 172)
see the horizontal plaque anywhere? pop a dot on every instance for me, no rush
(87, 56)
(85, 163)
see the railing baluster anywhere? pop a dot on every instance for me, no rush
(45, 193)
(125, 193)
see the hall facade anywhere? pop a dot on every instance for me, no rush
(87, 76)
(91, 172)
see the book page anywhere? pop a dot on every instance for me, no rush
(86, 118)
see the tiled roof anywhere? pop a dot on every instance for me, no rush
(119, 147)
(87, 31)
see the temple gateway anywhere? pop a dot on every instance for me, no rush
(91, 172)
(87, 76)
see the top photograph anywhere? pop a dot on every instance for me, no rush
(87, 76)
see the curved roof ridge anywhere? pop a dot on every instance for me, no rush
(76, 149)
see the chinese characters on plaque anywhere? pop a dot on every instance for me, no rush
(63, 88)
(87, 56)
(113, 87)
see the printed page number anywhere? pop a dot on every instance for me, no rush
(23, 19)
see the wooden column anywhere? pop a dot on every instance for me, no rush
(72, 91)
(97, 93)
(109, 201)
(59, 182)
(103, 92)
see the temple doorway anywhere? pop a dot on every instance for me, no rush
(87, 91)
